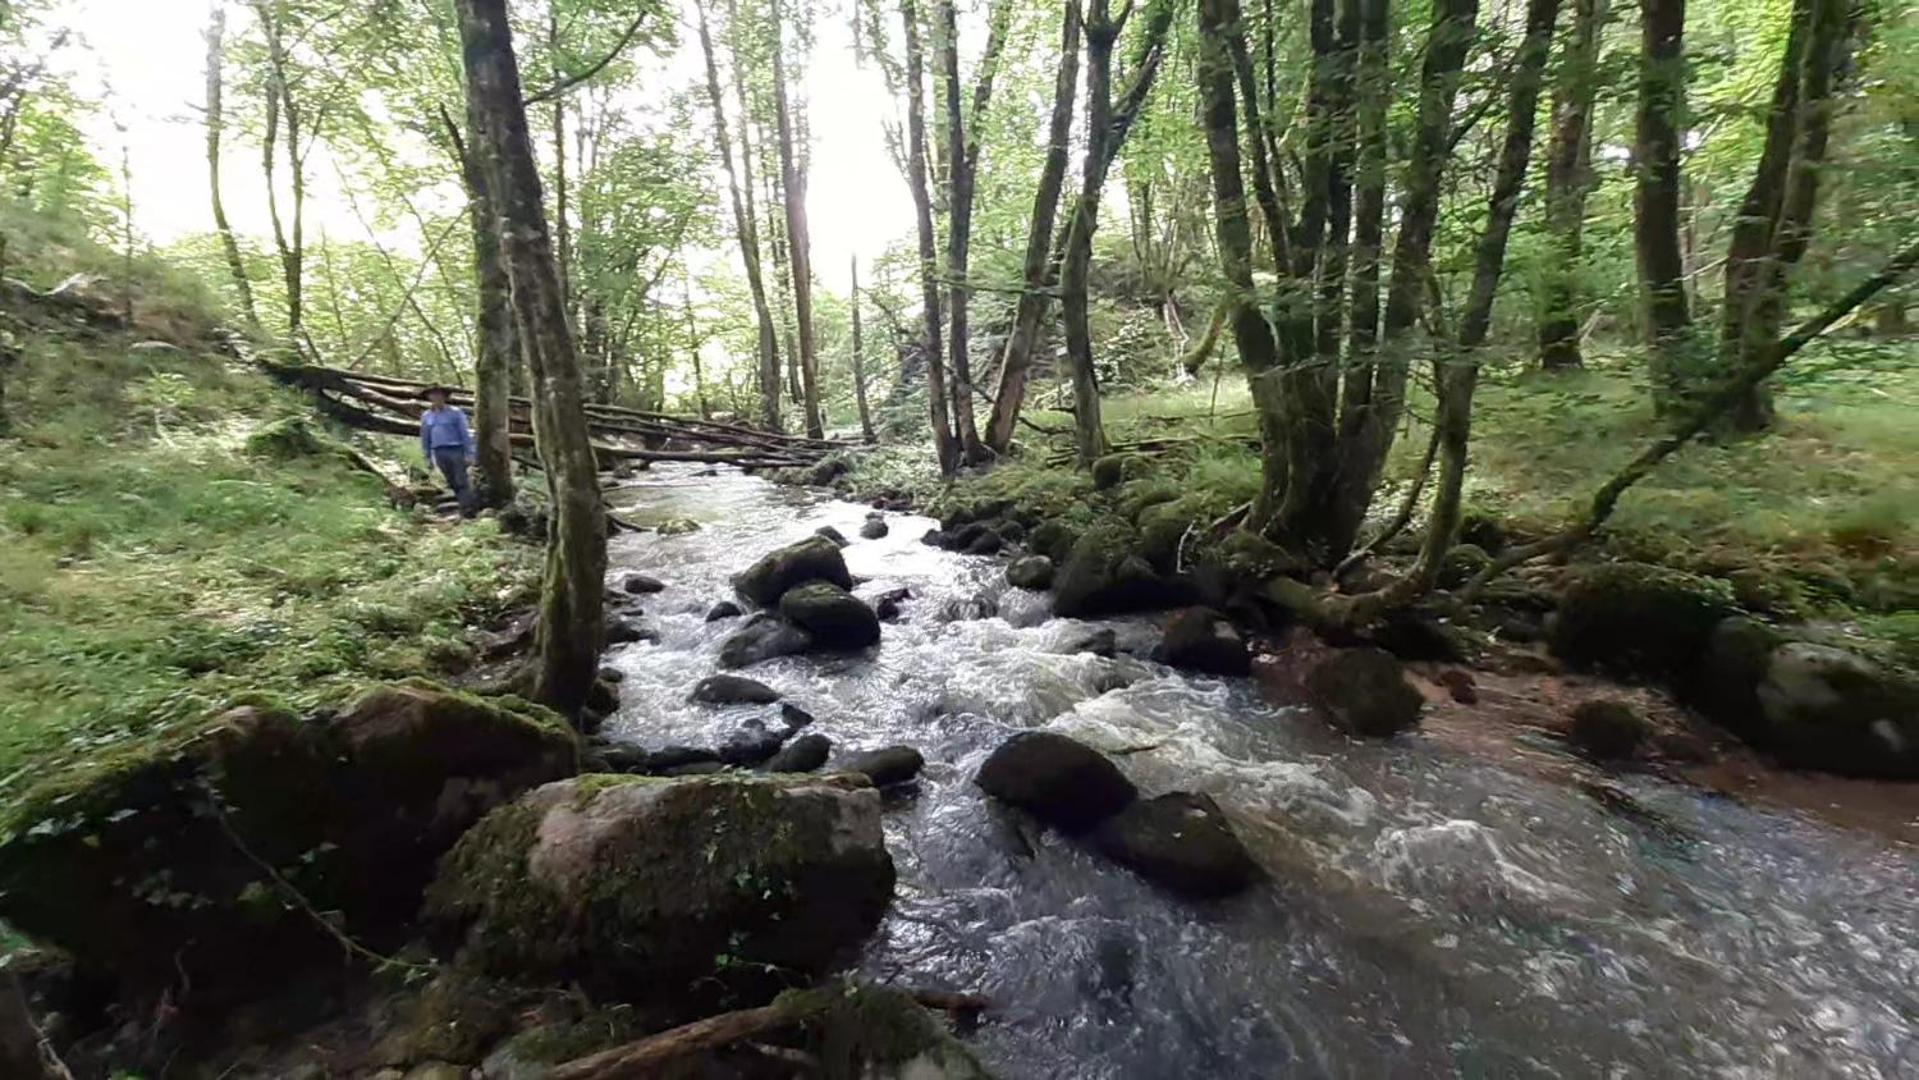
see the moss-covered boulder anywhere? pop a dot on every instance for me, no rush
(1053, 539)
(1725, 682)
(813, 559)
(1180, 841)
(1826, 708)
(1030, 572)
(1638, 620)
(1608, 730)
(1364, 692)
(1114, 469)
(761, 638)
(151, 865)
(831, 616)
(640, 889)
(1105, 575)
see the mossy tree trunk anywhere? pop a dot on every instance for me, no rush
(567, 643)
(859, 359)
(499, 344)
(1658, 124)
(1568, 180)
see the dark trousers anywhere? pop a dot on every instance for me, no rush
(451, 461)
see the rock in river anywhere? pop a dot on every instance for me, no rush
(804, 754)
(886, 766)
(1056, 779)
(833, 617)
(1031, 572)
(763, 637)
(639, 888)
(726, 689)
(1201, 639)
(874, 529)
(813, 559)
(1181, 841)
(642, 583)
(1364, 692)
(1608, 730)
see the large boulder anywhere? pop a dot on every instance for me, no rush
(1201, 639)
(147, 865)
(1103, 575)
(1057, 779)
(1608, 730)
(1364, 692)
(813, 559)
(804, 754)
(1638, 620)
(640, 889)
(1180, 841)
(1031, 572)
(885, 766)
(1725, 683)
(1826, 708)
(724, 689)
(831, 616)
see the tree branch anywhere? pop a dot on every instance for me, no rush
(572, 81)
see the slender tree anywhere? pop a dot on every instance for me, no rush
(859, 359)
(216, 125)
(800, 258)
(1042, 254)
(944, 447)
(739, 183)
(284, 130)
(567, 641)
(1568, 180)
(963, 145)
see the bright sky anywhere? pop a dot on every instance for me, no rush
(146, 59)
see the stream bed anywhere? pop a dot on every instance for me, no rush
(1429, 914)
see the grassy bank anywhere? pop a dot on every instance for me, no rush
(1818, 519)
(174, 537)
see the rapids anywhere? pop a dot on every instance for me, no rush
(1429, 914)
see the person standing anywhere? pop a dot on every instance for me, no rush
(446, 440)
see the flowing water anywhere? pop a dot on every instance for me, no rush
(1429, 914)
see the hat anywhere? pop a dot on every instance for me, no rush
(438, 388)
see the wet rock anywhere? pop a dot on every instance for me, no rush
(874, 529)
(355, 810)
(603, 697)
(1459, 685)
(887, 607)
(622, 630)
(693, 768)
(753, 745)
(642, 583)
(1725, 684)
(612, 675)
(813, 559)
(674, 757)
(1032, 572)
(677, 527)
(638, 889)
(885, 766)
(988, 542)
(1201, 639)
(934, 538)
(1419, 635)
(804, 754)
(1011, 531)
(795, 717)
(762, 638)
(1638, 620)
(1053, 539)
(962, 537)
(833, 617)
(1826, 708)
(1180, 841)
(829, 532)
(1103, 576)
(1101, 641)
(977, 606)
(1364, 692)
(1058, 780)
(725, 609)
(733, 690)
(1608, 730)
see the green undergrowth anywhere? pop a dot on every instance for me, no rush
(177, 536)
(1818, 518)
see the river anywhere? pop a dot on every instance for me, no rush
(1430, 914)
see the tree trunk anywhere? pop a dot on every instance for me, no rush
(1042, 260)
(1457, 375)
(943, 446)
(216, 121)
(567, 642)
(1568, 180)
(1102, 33)
(962, 163)
(740, 187)
(1369, 420)
(1775, 223)
(1656, 146)
(562, 226)
(859, 360)
(280, 110)
(800, 260)
(1372, 89)
(693, 344)
(499, 344)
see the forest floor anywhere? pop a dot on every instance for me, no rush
(174, 538)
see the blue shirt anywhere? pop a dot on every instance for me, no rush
(445, 429)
